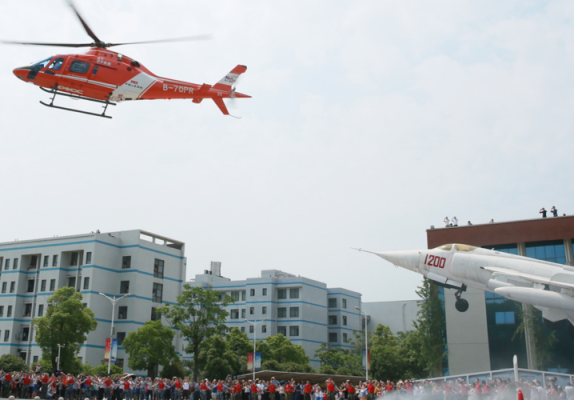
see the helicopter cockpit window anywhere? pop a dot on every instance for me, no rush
(445, 247)
(41, 64)
(464, 247)
(79, 67)
(56, 64)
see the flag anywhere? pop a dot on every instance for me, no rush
(249, 361)
(114, 350)
(257, 361)
(108, 350)
(366, 361)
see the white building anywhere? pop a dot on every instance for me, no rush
(149, 266)
(302, 309)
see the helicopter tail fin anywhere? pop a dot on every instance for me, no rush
(221, 105)
(228, 80)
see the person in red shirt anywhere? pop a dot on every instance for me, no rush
(289, 390)
(238, 390)
(25, 385)
(370, 390)
(330, 389)
(350, 391)
(271, 389)
(307, 391)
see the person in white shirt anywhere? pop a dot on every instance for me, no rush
(446, 222)
(569, 390)
(454, 221)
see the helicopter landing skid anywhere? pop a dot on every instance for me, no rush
(56, 92)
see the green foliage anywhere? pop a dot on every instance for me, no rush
(327, 369)
(46, 366)
(150, 345)
(337, 358)
(67, 322)
(543, 341)
(238, 342)
(199, 315)
(431, 325)
(217, 359)
(410, 347)
(282, 350)
(11, 363)
(102, 370)
(174, 369)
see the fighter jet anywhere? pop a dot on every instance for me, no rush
(547, 286)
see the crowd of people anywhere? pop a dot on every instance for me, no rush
(129, 387)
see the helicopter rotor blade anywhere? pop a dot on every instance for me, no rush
(50, 44)
(84, 24)
(181, 39)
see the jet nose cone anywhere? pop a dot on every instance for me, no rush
(405, 259)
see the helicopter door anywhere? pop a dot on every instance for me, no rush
(76, 75)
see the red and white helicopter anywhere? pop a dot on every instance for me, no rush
(107, 77)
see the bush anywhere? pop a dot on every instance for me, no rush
(11, 363)
(175, 369)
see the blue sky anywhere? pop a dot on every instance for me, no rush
(369, 122)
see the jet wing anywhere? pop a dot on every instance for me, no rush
(532, 278)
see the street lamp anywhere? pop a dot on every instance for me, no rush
(59, 347)
(255, 323)
(114, 301)
(366, 343)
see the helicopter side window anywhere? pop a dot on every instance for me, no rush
(56, 64)
(41, 64)
(79, 67)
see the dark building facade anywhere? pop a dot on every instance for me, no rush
(548, 239)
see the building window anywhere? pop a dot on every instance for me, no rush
(86, 283)
(294, 312)
(43, 285)
(7, 264)
(332, 337)
(52, 285)
(264, 328)
(504, 318)
(251, 292)
(243, 295)
(251, 310)
(235, 295)
(121, 337)
(25, 334)
(85, 305)
(344, 301)
(264, 292)
(154, 316)
(55, 260)
(120, 362)
(6, 335)
(40, 310)
(294, 331)
(12, 287)
(158, 268)
(46, 260)
(263, 310)
(282, 312)
(72, 282)
(127, 262)
(1, 311)
(332, 303)
(35, 359)
(124, 287)
(281, 294)
(242, 329)
(282, 330)
(15, 264)
(4, 287)
(344, 320)
(89, 257)
(123, 312)
(243, 313)
(157, 293)
(28, 309)
(552, 251)
(251, 329)
(9, 312)
(294, 293)
(332, 320)
(345, 338)
(234, 314)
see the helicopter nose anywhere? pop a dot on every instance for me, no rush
(21, 72)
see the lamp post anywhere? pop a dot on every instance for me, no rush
(114, 301)
(59, 347)
(366, 343)
(255, 323)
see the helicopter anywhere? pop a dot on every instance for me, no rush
(107, 77)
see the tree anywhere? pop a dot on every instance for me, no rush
(67, 322)
(174, 369)
(199, 315)
(432, 327)
(410, 347)
(102, 369)
(341, 361)
(150, 345)
(279, 354)
(216, 357)
(544, 341)
(386, 360)
(11, 363)
(238, 343)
